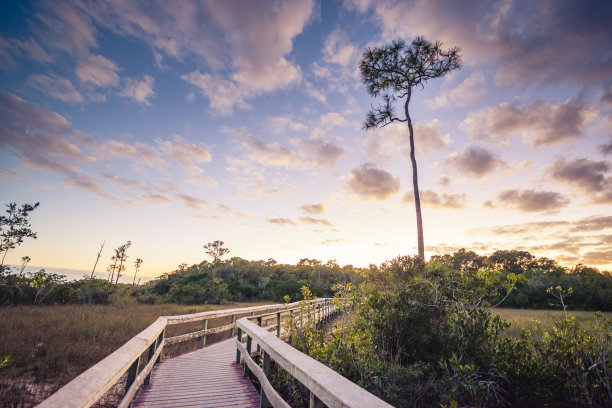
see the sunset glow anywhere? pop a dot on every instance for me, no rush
(174, 124)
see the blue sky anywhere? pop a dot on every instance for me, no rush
(174, 124)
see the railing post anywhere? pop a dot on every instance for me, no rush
(259, 321)
(248, 347)
(160, 338)
(237, 349)
(205, 325)
(263, 401)
(314, 401)
(152, 349)
(133, 370)
(278, 324)
(232, 329)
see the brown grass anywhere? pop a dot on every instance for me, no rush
(51, 345)
(529, 318)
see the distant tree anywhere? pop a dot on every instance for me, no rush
(391, 71)
(93, 271)
(122, 255)
(137, 266)
(216, 251)
(24, 262)
(15, 227)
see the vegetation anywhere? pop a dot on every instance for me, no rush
(422, 336)
(14, 228)
(49, 346)
(392, 71)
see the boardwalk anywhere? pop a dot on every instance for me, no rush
(204, 378)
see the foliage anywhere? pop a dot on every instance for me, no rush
(15, 227)
(420, 337)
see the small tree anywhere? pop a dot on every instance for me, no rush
(24, 262)
(15, 227)
(216, 250)
(137, 266)
(122, 256)
(391, 71)
(93, 271)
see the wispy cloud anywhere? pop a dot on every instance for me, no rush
(531, 200)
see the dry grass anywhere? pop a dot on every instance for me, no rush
(529, 319)
(51, 345)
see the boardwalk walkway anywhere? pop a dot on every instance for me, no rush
(207, 377)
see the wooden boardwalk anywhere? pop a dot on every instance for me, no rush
(208, 377)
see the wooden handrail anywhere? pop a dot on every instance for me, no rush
(86, 389)
(325, 384)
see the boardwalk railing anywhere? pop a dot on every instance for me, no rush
(138, 356)
(325, 385)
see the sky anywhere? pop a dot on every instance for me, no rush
(175, 124)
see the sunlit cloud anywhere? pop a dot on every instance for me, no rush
(370, 182)
(540, 124)
(430, 198)
(281, 221)
(98, 70)
(315, 221)
(192, 202)
(139, 90)
(531, 200)
(584, 174)
(312, 208)
(475, 161)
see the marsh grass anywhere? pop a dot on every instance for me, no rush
(537, 320)
(51, 345)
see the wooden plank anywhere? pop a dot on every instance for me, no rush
(206, 377)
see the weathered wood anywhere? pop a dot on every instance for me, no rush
(331, 388)
(204, 327)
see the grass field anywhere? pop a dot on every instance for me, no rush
(529, 319)
(51, 345)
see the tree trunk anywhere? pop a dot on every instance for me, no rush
(415, 181)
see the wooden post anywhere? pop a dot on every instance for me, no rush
(248, 347)
(161, 336)
(237, 349)
(263, 402)
(259, 321)
(278, 324)
(314, 401)
(152, 349)
(203, 343)
(232, 329)
(132, 371)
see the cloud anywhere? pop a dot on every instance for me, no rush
(55, 87)
(282, 124)
(338, 50)
(532, 201)
(192, 202)
(369, 182)
(281, 221)
(430, 198)
(585, 174)
(187, 154)
(603, 257)
(116, 149)
(315, 221)
(595, 223)
(140, 91)
(606, 148)
(475, 161)
(98, 70)
(384, 143)
(529, 42)
(322, 153)
(470, 91)
(539, 124)
(312, 208)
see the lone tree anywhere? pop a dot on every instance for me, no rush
(391, 71)
(15, 227)
(215, 250)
